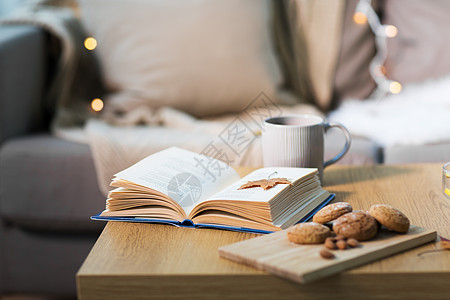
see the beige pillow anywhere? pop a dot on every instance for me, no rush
(204, 57)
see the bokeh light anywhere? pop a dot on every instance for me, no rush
(97, 104)
(359, 18)
(391, 31)
(90, 43)
(395, 87)
(380, 70)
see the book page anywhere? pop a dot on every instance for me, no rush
(232, 192)
(187, 177)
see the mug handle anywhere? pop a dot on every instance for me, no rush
(348, 141)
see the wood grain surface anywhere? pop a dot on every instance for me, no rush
(302, 263)
(132, 261)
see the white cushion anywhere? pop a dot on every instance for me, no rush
(204, 57)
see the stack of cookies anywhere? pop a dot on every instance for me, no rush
(339, 227)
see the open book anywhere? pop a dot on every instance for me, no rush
(183, 188)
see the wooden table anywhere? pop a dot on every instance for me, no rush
(135, 261)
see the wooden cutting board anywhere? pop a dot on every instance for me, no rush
(302, 263)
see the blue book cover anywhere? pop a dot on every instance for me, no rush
(189, 224)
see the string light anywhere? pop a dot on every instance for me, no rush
(359, 18)
(390, 31)
(97, 104)
(90, 43)
(365, 13)
(395, 87)
(380, 71)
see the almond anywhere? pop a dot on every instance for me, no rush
(353, 243)
(329, 243)
(340, 238)
(341, 244)
(326, 254)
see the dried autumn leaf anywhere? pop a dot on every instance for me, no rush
(265, 183)
(445, 245)
(444, 239)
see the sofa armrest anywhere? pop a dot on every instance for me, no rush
(22, 80)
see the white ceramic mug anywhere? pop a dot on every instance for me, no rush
(298, 141)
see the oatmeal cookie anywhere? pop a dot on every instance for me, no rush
(308, 233)
(358, 225)
(390, 217)
(331, 212)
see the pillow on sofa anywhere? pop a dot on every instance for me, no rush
(420, 50)
(201, 56)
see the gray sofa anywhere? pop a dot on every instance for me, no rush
(48, 186)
